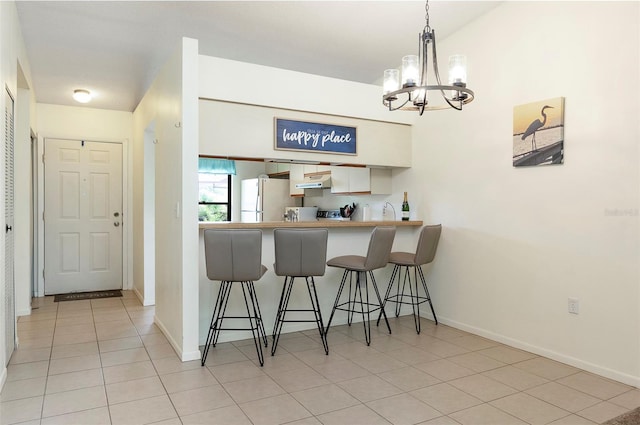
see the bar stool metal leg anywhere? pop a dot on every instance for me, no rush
(287, 287)
(365, 320)
(254, 318)
(284, 296)
(380, 302)
(216, 318)
(311, 284)
(256, 304)
(335, 303)
(426, 291)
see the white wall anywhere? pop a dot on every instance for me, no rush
(13, 58)
(240, 82)
(171, 105)
(23, 208)
(77, 122)
(517, 242)
(82, 123)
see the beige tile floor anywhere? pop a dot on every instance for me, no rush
(105, 362)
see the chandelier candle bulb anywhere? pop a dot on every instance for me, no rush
(391, 80)
(457, 69)
(410, 71)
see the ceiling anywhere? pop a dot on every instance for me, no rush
(115, 48)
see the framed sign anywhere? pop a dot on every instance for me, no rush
(314, 137)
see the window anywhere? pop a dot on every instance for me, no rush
(214, 191)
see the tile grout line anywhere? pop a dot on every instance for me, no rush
(104, 383)
(154, 367)
(46, 381)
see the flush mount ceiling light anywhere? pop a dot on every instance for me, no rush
(410, 94)
(82, 96)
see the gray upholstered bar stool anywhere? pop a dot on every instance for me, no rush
(425, 253)
(299, 253)
(377, 257)
(234, 256)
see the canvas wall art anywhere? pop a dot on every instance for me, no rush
(538, 133)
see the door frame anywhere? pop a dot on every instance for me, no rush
(127, 233)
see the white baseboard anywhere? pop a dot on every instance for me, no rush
(25, 312)
(541, 351)
(3, 377)
(191, 355)
(138, 295)
(185, 356)
(145, 302)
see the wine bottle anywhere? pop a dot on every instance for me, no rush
(405, 208)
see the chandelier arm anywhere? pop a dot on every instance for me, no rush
(391, 108)
(437, 72)
(435, 57)
(425, 65)
(446, 99)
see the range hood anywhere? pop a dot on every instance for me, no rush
(320, 181)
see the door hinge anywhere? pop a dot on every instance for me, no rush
(42, 215)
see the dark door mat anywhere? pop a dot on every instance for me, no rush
(74, 296)
(629, 418)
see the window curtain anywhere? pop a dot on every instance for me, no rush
(216, 166)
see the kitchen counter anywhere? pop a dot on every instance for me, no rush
(307, 224)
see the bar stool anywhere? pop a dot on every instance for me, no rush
(377, 257)
(425, 252)
(299, 253)
(235, 256)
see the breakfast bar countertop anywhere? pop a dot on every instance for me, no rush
(307, 224)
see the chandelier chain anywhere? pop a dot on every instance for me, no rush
(427, 27)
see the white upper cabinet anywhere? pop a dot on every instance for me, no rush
(277, 167)
(350, 180)
(296, 175)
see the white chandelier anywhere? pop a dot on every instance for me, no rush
(410, 93)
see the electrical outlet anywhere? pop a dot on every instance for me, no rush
(573, 306)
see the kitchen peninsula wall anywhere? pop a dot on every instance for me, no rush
(239, 130)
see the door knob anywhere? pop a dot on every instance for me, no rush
(8, 229)
(116, 223)
(116, 214)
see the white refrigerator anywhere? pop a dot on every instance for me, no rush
(263, 199)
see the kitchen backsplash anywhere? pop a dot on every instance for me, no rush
(376, 203)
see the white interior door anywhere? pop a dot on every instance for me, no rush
(83, 216)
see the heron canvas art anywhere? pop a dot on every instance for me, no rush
(538, 133)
